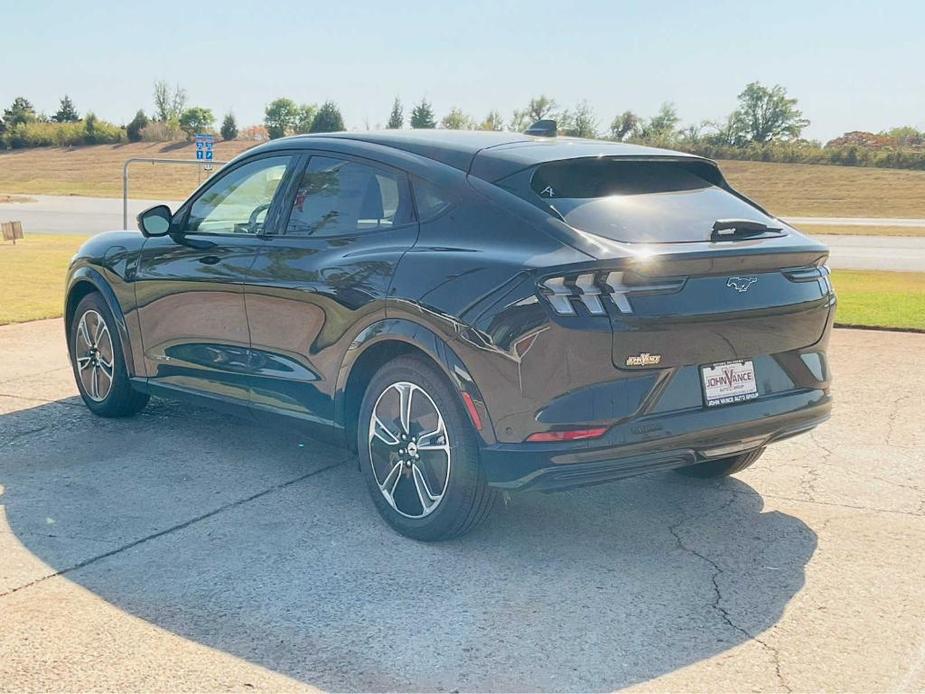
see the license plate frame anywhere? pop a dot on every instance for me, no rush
(728, 382)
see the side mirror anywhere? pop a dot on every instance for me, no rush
(155, 221)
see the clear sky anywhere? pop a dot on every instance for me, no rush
(852, 65)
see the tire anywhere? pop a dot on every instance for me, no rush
(722, 467)
(97, 360)
(429, 485)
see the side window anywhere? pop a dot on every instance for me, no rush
(238, 202)
(430, 200)
(336, 196)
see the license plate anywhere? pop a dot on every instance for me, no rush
(729, 382)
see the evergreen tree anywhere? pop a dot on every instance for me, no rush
(422, 116)
(328, 119)
(229, 128)
(133, 129)
(66, 112)
(397, 117)
(19, 112)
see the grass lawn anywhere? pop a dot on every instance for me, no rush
(881, 299)
(32, 276)
(32, 287)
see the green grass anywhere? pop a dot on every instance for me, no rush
(32, 287)
(32, 276)
(880, 299)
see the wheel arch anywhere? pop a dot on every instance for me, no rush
(385, 340)
(83, 282)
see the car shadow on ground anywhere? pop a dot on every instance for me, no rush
(265, 546)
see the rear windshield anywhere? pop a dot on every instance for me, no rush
(639, 201)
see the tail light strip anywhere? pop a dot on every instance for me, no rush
(589, 288)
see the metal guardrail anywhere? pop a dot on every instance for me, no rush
(133, 160)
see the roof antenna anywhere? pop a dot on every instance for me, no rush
(543, 128)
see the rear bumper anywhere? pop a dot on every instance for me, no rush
(656, 442)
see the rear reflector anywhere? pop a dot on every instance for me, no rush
(571, 435)
(473, 412)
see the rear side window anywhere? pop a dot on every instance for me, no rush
(429, 198)
(337, 196)
(639, 201)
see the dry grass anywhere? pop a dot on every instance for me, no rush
(97, 170)
(14, 198)
(811, 190)
(814, 229)
(799, 190)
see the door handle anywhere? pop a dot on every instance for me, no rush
(209, 259)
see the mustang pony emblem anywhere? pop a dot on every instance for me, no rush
(741, 284)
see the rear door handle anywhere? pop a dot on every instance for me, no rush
(209, 259)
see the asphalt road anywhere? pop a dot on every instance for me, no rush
(184, 550)
(66, 215)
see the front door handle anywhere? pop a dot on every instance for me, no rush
(209, 259)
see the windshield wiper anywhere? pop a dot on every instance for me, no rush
(740, 228)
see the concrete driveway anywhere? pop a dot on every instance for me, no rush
(184, 550)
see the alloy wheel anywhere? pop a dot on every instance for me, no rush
(409, 449)
(94, 354)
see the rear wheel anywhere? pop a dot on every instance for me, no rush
(419, 454)
(722, 467)
(96, 357)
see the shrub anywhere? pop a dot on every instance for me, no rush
(161, 131)
(37, 134)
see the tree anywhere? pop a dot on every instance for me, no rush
(66, 112)
(306, 118)
(457, 120)
(584, 122)
(168, 105)
(766, 114)
(139, 123)
(422, 115)
(328, 119)
(280, 118)
(624, 126)
(194, 120)
(397, 117)
(493, 121)
(19, 112)
(229, 128)
(663, 126)
(539, 108)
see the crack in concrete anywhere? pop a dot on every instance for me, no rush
(175, 528)
(717, 604)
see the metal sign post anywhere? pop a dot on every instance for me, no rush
(133, 160)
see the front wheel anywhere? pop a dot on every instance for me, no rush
(96, 357)
(419, 454)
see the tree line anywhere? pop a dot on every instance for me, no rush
(767, 124)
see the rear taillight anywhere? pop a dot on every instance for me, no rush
(592, 289)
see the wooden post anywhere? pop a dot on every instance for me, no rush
(7, 231)
(17, 231)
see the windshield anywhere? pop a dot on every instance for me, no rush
(639, 201)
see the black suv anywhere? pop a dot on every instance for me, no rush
(471, 311)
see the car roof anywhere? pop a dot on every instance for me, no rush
(490, 155)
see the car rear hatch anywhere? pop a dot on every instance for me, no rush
(689, 272)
